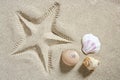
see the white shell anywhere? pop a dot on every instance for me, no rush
(91, 63)
(91, 44)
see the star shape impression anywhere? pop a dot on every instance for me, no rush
(40, 34)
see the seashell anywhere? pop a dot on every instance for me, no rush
(70, 57)
(91, 44)
(90, 63)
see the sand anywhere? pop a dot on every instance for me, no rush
(33, 33)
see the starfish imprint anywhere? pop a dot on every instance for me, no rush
(40, 34)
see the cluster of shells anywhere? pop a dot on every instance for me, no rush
(90, 44)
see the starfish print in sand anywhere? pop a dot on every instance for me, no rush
(41, 34)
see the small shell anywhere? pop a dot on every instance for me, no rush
(91, 44)
(91, 63)
(70, 57)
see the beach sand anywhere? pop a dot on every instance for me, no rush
(33, 33)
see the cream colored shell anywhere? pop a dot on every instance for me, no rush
(91, 63)
(70, 57)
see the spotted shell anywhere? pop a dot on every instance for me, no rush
(70, 57)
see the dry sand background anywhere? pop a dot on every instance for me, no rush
(76, 18)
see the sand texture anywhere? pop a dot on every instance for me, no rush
(33, 34)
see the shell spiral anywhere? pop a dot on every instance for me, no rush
(90, 63)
